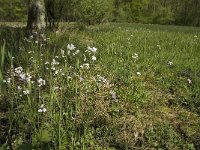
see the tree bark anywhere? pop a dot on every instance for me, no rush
(36, 15)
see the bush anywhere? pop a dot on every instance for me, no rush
(95, 11)
(163, 16)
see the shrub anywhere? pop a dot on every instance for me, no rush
(94, 11)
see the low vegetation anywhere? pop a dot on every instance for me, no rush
(111, 86)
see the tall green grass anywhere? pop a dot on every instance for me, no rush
(141, 92)
(2, 61)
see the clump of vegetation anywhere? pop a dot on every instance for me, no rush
(116, 86)
(95, 12)
(181, 12)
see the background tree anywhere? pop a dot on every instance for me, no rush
(36, 15)
(179, 12)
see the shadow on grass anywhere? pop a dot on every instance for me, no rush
(12, 37)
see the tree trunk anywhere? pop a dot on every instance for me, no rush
(36, 15)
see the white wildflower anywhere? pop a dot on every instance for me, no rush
(42, 109)
(85, 66)
(18, 70)
(54, 62)
(158, 46)
(35, 32)
(170, 63)
(19, 88)
(62, 52)
(56, 88)
(135, 56)
(113, 95)
(138, 73)
(56, 72)
(53, 68)
(136, 135)
(28, 77)
(101, 79)
(68, 52)
(8, 80)
(189, 81)
(94, 58)
(84, 57)
(81, 79)
(76, 52)
(26, 92)
(31, 37)
(69, 77)
(92, 49)
(41, 82)
(71, 47)
(22, 76)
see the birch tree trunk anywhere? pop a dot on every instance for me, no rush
(36, 15)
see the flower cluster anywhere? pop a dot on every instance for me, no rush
(54, 63)
(41, 82)
(42, 109)
(26, 92)
(25, 77)
(91, 49)
(85, 66)
(34, 38)
(72, 50)
(102, 81)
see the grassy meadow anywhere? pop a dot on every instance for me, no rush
(106, 87)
